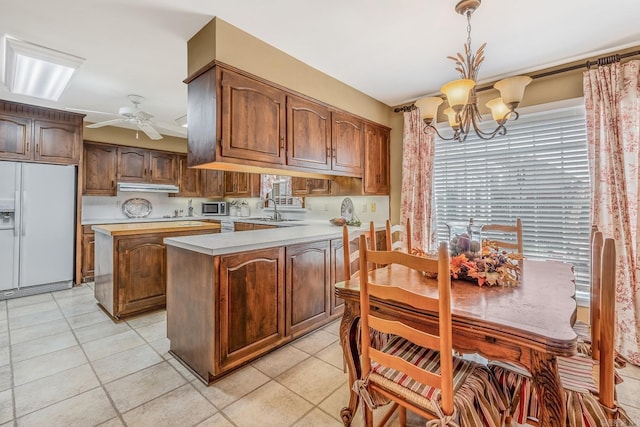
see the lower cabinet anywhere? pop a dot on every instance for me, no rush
(252, 309)
(88, 251)
(141, 274)
(336, 274)
(308, 288)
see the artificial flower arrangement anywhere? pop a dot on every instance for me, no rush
(490, 266)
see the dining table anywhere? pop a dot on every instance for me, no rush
(529, 324)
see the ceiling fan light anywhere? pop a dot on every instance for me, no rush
(457, 92)
(512, 89)
(429, 107)
(498, 109)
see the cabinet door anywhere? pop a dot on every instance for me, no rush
(308, 134)
(133, 164)
(319, 187)
(337, 274)
(299, 186)
(88, 253)
(141, 274)
(376, 172)
(347, 140)
(243, 226)
(99, 170)
(15, 137)
(251, 315)
(162, 168)
(253, 120)
(188, 179)
(241, 184)
(307, 286)
(56, 143)
(212, 184)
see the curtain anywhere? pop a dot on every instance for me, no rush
(612, 101)
(417, 197)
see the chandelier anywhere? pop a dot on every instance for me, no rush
(463, 113)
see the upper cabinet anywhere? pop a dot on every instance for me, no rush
(212, 183)
(31, 133)
(140, 165)
(253, 120)
(99, 170)
(189, 180)
(243, 120)
(308, 134)
(347, 141)
(376, 149)
(241, 184)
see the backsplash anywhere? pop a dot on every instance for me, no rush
(367, 208)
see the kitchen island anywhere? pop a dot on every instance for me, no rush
(130, 263)
(234, 297)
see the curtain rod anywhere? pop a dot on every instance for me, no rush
(605, 60)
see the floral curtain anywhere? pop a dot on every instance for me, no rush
(612, 101)
(417, 198)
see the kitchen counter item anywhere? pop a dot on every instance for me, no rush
(136, 208)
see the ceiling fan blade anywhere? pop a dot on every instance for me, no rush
(149, 130)
(107, 123)
(170, 127)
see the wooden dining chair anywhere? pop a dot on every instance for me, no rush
(415, 369)
(398, 236)
(351, 249)
(503, 231)
(588, 383)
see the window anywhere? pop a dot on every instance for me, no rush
(539, 172)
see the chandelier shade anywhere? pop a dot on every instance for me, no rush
(463, 113)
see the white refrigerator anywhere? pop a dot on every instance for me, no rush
(37, 228)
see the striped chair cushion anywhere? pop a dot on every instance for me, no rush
(477, 398)
(583, 331)
(580, 389)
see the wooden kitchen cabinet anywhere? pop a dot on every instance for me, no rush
(376, 173)
(310, 186)
(99, 170)
(241, 184)
(38, 134)
(308, 287)
(16, 137)
(212, 184)
(347, 143)
(252, 120)
(308, 134)
(146, 166)
(252, 319)
(88, 253)
(246, 226)
(56, 142)
(189, 180)
(130, 264)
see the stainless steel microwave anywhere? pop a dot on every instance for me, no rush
(214, 208)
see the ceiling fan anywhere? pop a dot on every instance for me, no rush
(132, 115)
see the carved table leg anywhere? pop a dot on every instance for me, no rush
(348, 339)
(544, 369)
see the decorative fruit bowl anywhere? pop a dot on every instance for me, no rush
(340, 221)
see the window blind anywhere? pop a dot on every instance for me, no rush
(538, 171)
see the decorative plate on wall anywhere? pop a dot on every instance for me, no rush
(136, 208)
(346, 209)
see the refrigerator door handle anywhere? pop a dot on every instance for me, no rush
(16, 214)
(23, 225)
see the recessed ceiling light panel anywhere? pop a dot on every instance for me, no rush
(37, 71)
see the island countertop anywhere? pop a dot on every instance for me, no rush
(227, 243)
(128, 229)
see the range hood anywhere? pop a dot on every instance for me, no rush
(147, 188)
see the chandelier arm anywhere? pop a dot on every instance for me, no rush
(454, 137)
(500, 130)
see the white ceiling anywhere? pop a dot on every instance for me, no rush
(392, 50)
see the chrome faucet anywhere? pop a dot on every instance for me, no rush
(277, 216)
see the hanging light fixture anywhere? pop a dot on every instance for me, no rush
(463, 110)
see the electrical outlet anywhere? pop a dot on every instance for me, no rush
(326, 207)
(373, 207)
(364, 208)
(118, 203)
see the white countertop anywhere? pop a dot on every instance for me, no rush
(226, 243)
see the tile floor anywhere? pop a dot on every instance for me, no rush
(63, 362)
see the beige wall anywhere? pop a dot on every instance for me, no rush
(223, 42)
(121, 136)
